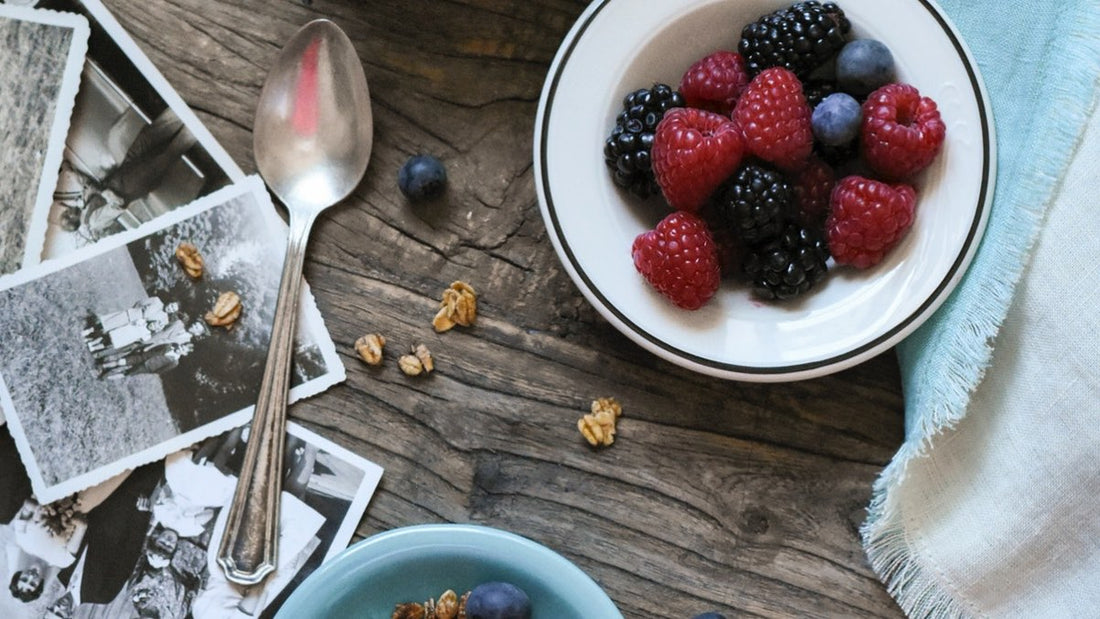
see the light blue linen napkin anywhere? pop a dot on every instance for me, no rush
(1040, 62)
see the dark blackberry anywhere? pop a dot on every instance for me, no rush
(757, 202)
(800, 38)
(626, 150)
(816, 90)
(839, 157)
(730, 247)
(789, 265)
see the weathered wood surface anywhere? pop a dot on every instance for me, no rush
(717, 495)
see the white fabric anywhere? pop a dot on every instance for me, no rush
(1004, 512)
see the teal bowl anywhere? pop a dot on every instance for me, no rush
(412, 564)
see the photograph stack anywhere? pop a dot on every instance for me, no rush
(140, 269)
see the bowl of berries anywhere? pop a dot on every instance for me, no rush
(449, 571)
(760, 190)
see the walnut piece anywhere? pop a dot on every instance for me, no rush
(458, 307)
(410, 365)
(227, 309)
(409, 610)
(598, 426)
(370, 347)
(449, 606)
(425, 356)
(190, 259)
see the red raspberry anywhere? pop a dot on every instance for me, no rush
(867, 219)
(693, 152)
(679, 259)
(715, 82)
(813, 185)
(902, 131)
(775, 118)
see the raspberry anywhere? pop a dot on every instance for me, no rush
(693, 152)
(867, 219)
(902, 131)
(775, 118)
(813, 185)
(715, 82)
(788, 265)
(679, 259)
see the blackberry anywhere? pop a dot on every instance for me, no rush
(800, 38)
(817, 89)
(757, 202)
(789, 265)
(839, 157)
(626, 150)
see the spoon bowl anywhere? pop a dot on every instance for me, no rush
(314, 129)
(312, 139)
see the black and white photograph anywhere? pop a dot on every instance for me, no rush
(144, 543)
(134, 151)
(41, 54)
(123, 352)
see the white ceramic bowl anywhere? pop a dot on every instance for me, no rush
(620, 45)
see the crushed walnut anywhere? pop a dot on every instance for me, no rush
(598, 426)
(418, 361)
(190, 259)
(458, 307)
(227, 309)
(449, 606)
(370, 347)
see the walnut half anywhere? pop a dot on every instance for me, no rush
(190, 259)
(370, 348)
(227, 309)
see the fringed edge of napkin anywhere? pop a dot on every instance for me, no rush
(963, 331)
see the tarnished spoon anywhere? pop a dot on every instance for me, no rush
(312, 139)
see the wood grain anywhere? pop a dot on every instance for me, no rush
(717, 495)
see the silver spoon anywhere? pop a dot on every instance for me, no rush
(312, 139)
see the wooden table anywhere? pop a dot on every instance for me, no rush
(741, 498)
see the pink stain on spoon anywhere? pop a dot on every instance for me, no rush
(306, 108)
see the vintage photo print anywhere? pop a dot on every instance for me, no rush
(144, 543)
(134, 150)
(41, 55)
(122, 352)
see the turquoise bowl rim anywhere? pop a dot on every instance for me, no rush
(558, 573)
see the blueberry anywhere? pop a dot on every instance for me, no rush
(710, 615)
(422, 177)
(498, 600)
(836, 119)
(864, 65)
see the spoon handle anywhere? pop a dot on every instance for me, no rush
(249, 546)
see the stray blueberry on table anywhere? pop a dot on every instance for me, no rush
(836, 120)
(422, 177)
(863, 65)
(710, 615)
(498, 600)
